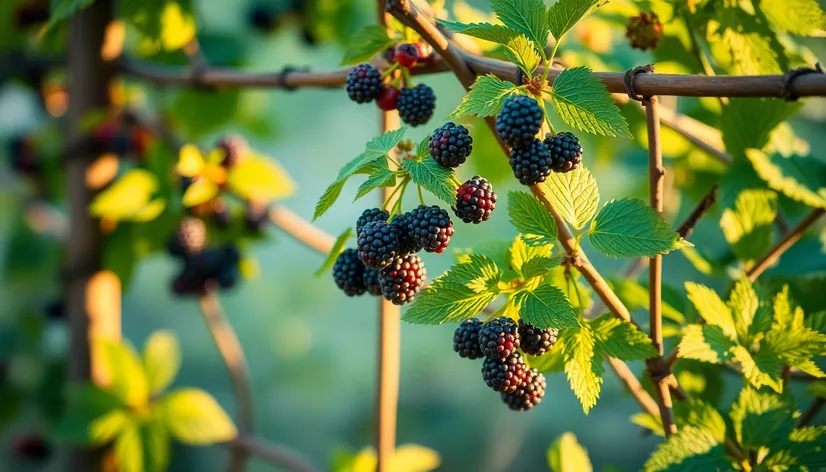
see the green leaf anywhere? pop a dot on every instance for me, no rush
(365, 44)
(801, 17)
(748, 123)
(500, 34)
(761, 369)
(573, 194)
(553, 361)
(566, 455)
(584, 364)
(629, 228)
(520, 50)
(129, 449)
(90, 416)
(622, 340)
(744, 304)
(433, 177)
(761, 419)
(519, 253)
(703, 415)
(583, 101)
(801, 179)
(337, 249)
(161, 360)
(564, 14)
(711, 308)
(528, 17)
(458, 294)
(705, 343)
(748, 42)
(539, 265)
(530, 218)
(380, 178)
(545, 307)
(120, 364)
(62, 10)
(383, 144)
(692, 448)
(194, 417)
(748, 227)
(486, 97)
(156, 440)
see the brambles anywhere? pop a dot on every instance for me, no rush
(528, 394)
(402, 279)
(519, 121)
(431, 228)
(499, 338)
(531, 164)
(566, 152)
(466, 339)
(644, 31)
(349, 273)
(450, 145)
(363, 83)
(378, 244)
(416, 104)
(536, 341)
(475, 200)
(369, 216)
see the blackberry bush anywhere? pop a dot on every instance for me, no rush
(565, 150)
(536, 341)
(504, 375)
(431, 228)
(378, 244)
(401, 279)
(519, 121)
(450, 145)
(532, 164)
(349, 273)
(499, 338)
(466, 339)
(475, 200)
(416, 104)
(363, 83)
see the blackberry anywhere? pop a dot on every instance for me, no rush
(190, 238)
(401, 280)
(371, 281)
(528, 394)
(227, 270)
(566, 152)
(388, 98)
(450, 145)
(519, 121)
(407, 244)
(531, 164)
(407, 54)
(370, 215)
(348, 273)
(505, 375)
(211, 265)
(475, 200)
(536, 341)
(644, 31)
(416, 104)
(32, 447)
(363, 83)
(235, 148)
(378, 244)
(466, 339)
(499, 338)
(430, 228)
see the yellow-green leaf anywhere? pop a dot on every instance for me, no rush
(161, 360)
(177, 27)
(107, 427)
(151, 211)
(200, 191)
(129, 449)
(194, 417)
(190, 161)
(125, 198)
(260, 179)
(567, 455)
(122, 368)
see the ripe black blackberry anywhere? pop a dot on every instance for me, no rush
(370, 215)
(402, 279)
(531, 164)
(519, 121)
(450, 145)
(348, 273)
(363, 83)
(416, 104)
(407, 244)
(227, 271)
(528, 394)
(536, 341)
(565, 150)
(378, 244)
(209, 266)
(466, 339)
(475, 200)
(190, 238)
(371, 281)
(431, 228)
(505, 375)
(499, 338)
(235, 148)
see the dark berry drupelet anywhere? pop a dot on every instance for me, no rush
(536, 341)
(402, 279)
(519, 121)
(528, 394)
(371, 281)
(499, 338)
(505, 375)
(370, 215)
(475, 200)
(363, 83)
(566, 152)
(407, 244)
(466, 339)
(531, 164)
(450, 145)
(431, 228)
(378, 244)
(348, 273)
(416, 104)
(190, 238)
(235, 148)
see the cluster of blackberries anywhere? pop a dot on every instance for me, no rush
(122, 137)
(533, 159)
(203, 266)
(23, 155)
(504, 368)
(644, 31)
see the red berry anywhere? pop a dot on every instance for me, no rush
(407, 55)
(388, 97)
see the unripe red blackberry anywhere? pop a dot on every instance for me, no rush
(378, 244)
(348, 273)
(536, 341)
(235, 148)
(371, 281)
(190, 238)
(644, 31)
(466, 339)
(531, 164)
(370, 215)
(407, 55)
(528, 394)
(565, 150)
(475, 200)
(407, 244)
(519, 121)
(416, 104)
(402, 279)
(363, 83)
(431, 228)
(505, 375)
(499, 338)
(450, 145)
(388, 98)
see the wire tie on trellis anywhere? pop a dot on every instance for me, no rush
(520, 77)
(281, 79)
(790, 76)
(630, 75)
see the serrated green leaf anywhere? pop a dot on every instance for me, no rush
(530, 218)
(744, 304)
(161, 360)
(365, 44)
(761, 419)
(705, 343)
(194, 417)
(692, 448)
(528, 17)
(539, 265)
(748, 227)
(564, 14)
(748, 123)
(573, 194)
(801, 179)
(486, 97)
(713, 310)
(762, 369)
(650, 422)
(129, 449)
(748, 42)
(384, 143)
(584, 364)
(379, 178)
(433, 177)
(546, 307)
(500, 34)
(567, 455)
(801, 17)
(520, 252)
(629, 228)
(582, 101)
(703, 415)
(520, 50)
(622, 340)
(335, 251)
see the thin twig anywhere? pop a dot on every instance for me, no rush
(301, 229)
(687, 226)
(771, 257)
(633, 385)
(809, 415)
(276, 454)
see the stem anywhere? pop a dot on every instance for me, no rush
(421, 197)
(390, 70)
(771, 257)
(301, 229)
(809, 415)
(389, 198)
(545, 114)
(274, 454)
(550, 61)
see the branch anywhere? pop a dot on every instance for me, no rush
(771, 257)
(633, 385)
(274, 454)
(301, 229)
(687, 226)
(809, 415)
